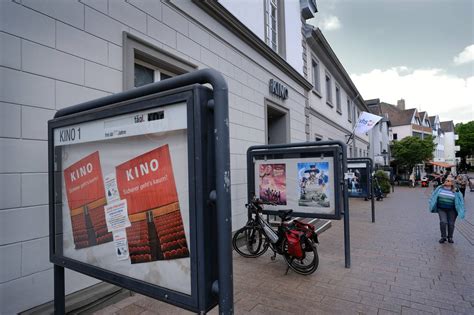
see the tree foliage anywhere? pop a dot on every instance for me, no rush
(411, 151)
(383, 180)
(466, 138)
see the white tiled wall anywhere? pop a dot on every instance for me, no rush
(63, 52)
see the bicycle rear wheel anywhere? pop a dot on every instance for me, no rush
(250, 242)
(308, 263)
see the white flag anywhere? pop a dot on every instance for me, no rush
(366, 122)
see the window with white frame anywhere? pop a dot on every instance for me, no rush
(349, 111)
(274, 25)
(328, 89)
(338, 99)
(145, 63)
(315, 74)
(146, 73)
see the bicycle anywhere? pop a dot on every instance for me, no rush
(295, 241)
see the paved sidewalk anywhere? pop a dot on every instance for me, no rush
(398, 266)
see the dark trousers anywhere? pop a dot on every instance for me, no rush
(463, 191)
(446, 220)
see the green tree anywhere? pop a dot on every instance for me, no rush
(383, 180)
(466, 139)
(411, 151)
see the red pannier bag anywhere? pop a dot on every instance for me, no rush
(294, 243)
(308, 229)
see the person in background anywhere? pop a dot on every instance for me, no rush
(461, 184)
(448, 202)
(412, 180)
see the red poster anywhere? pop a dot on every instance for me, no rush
(147, 183)
(86, 200)
(272, 183)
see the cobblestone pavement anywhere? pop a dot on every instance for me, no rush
(398, 266)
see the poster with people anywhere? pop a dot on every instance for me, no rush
(313, 182)
(358, 183)
(305, 185)
(272, 187)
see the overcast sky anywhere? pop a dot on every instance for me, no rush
(419, 50)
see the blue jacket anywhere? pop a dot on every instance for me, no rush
(458, 202)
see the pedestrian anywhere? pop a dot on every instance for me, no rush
(447, 201)
(412, 180)
(461, 183)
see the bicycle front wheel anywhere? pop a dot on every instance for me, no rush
(308, 263)
(250, 242)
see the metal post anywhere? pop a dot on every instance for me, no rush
(224, 215)
(59, 291)
(372, 193)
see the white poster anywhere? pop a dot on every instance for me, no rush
(121, 244)
(111, 189)
(116, 216)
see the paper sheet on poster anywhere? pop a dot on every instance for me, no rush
(116, 216)
(111, 189)
(121, 244)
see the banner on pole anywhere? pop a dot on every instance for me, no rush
(366, 122)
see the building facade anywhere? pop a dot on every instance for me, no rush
(438, 138)
(60, 53)
(334, 103)
(380, 135)
(450, 147)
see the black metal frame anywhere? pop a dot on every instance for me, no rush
(338, 150)
(292, 151)
(209, 184)
(370, 186)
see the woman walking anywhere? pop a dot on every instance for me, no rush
(448, 202)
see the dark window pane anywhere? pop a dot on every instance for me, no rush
(164, 76)
(143, 75)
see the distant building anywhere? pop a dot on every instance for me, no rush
(439, 162)
(379, 135)
(450, 147)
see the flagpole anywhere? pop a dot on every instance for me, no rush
(352, 136)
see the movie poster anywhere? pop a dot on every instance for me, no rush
(313, 180)
(86, 199)
(357, 185)
(156, 231)
(272, 187)
(305, 185)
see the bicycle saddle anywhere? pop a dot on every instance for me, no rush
(285, 215)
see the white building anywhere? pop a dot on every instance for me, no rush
(450, 147)
(380, 135)
(334, 102)
(58, 53)
(438, 138)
